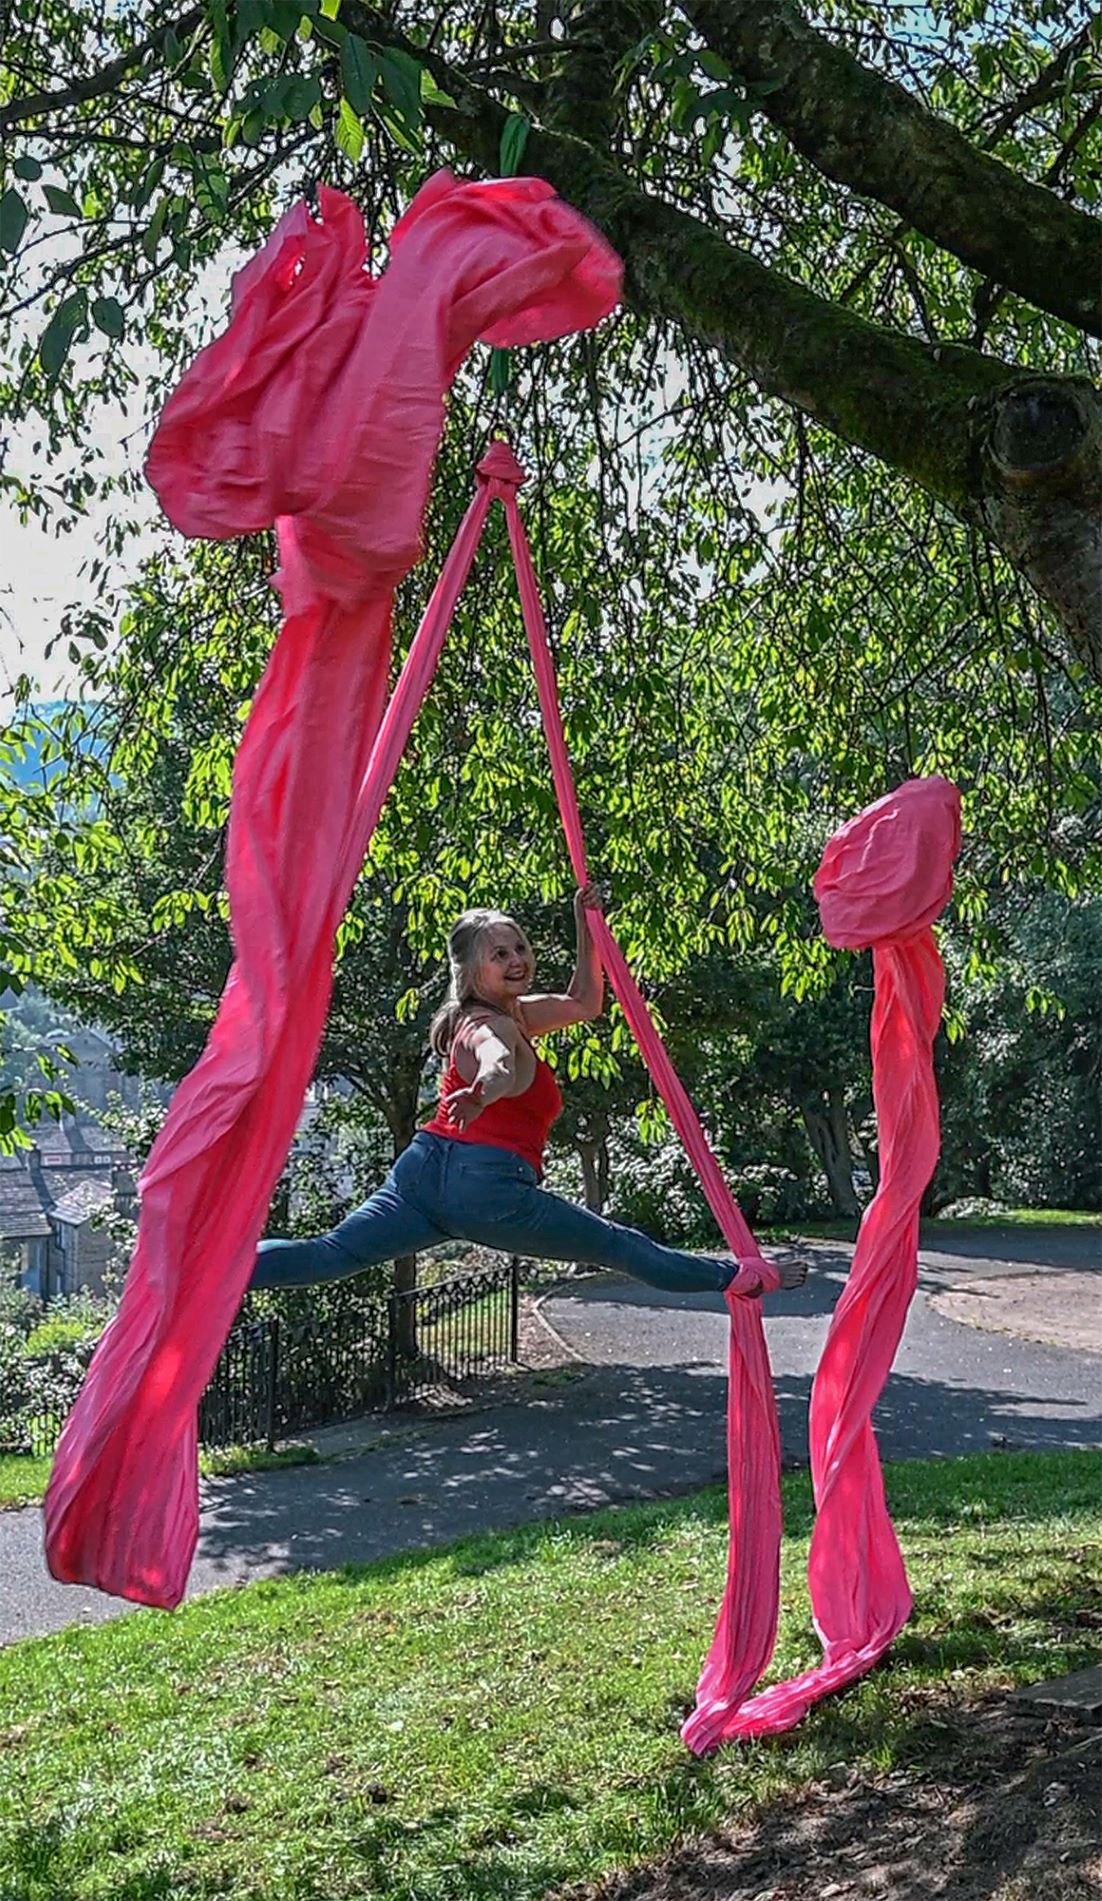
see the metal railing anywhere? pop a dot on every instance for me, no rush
(275, 1378)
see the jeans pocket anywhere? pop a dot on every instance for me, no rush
(494, 1191)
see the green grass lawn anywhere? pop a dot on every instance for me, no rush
(23, 1478)
(1006, 1218)
(496, 1720)
(456, 1334)
(1029, 1218)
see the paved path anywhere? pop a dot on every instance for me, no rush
(646, 1419)
(953, 1388)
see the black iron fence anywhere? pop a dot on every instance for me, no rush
(275, 1378)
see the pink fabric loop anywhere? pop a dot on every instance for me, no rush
(499, 467)
(888, 873)
(746, 1630)
(320, 406)
(880, 875)
(755, 1275)
(315, 761)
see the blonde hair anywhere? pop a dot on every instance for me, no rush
(464, 956)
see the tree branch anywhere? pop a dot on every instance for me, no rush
(1044, 86)
(581, 98)
(926, 410)
(867, 132)
(38, 105)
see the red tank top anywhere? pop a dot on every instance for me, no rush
(520, 1123)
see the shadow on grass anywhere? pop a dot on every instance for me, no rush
(903, 1718)
(47, 1863)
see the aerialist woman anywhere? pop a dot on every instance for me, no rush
(473, 1172)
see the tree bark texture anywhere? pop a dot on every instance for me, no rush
(865, 131)
(402, 1118)
(824, 1118)
(959, 423)
(927, 410)
(1040, 445)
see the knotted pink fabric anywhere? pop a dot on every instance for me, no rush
(884, 878)
(748, 1621)
(320, 408)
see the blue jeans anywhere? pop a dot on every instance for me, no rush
(444, 1190)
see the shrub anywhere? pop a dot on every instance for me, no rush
(42, 1366)
(59, 1332)
(19, 1309)
(766, 1194)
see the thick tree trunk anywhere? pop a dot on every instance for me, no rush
(828, 1132)
(1042, 460)
(593, 1154)
(862, 129)
(947, 417)
(402, 1118)
(587, 1152)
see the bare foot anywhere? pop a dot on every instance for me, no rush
(791, 1272)
(791, 1267)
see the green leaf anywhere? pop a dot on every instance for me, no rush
(685, 96)
(431, 92)
(359, 71)
(173, 51)
(330, 9)
(349, 133)
(402, 81)
(397, 127)
(61, 202)
(212, 191)
(300, 97)
(152, 235)
(148, 184)
(57, 338)
(107, 315)
(514, 138)
(221, 53)
(249, 18)
(714, 64)
(286, 15)
(28, 168)
(13, 220)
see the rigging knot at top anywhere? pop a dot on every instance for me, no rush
(500, 469)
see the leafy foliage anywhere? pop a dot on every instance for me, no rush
(757, 626)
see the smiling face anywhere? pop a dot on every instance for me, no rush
(505, 964)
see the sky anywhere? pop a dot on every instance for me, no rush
(41, 576)
(40, 573)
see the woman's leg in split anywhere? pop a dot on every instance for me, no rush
(383, 1227)
(557, 1230)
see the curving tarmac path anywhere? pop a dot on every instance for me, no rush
(644, 1418)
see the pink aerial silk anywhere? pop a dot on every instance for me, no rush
(885, 876)
(315, 341)
(319, 408)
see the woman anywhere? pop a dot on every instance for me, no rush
(473, 1172)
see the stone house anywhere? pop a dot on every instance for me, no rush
(49, 1197)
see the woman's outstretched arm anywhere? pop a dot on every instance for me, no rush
(584, 997)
